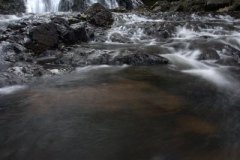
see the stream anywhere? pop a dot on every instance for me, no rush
(185, 110)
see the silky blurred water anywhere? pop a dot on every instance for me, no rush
(148, 113)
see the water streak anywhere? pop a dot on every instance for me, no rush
(40, 6)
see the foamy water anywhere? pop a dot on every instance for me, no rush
(11, 89)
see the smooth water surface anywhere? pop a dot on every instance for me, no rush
(148, 113)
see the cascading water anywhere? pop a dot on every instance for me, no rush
(40, 6)
(185, 48)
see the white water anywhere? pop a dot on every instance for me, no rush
(40, 6)
(11, 89)
(131, 28)
(124, 26)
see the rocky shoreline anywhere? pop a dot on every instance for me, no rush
(41, 45)
(33, 45)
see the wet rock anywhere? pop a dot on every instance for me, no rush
(43, 37)
(117, 37)
(16, 26)
(232, 52)
(80, 32)
(60, 21)
(99, 16)
(212, 5)
(50, 35)
(161, 6)
(14, 47)
(209, 54)
(190, 6)
(125, 4)
(99, 60)
(140, 59)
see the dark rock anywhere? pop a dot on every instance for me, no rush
(99, 15)
(79, 32)
(60, 21)
(209, 54)
(43, 37)
(126, 4)
(212, 5)
(161, 6)
(117, 37)
(16, 26)
(139, 59)
(101, 59)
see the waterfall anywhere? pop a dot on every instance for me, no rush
(40, 6)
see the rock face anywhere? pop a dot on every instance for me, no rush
(99, 16)
(12, 6)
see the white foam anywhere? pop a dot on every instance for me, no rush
(11, 89)
(187, 61)
(8, 18)
(124, 26)
(97, 67)
(40, 6)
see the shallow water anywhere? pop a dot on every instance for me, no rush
(121, 113)
(187, 110)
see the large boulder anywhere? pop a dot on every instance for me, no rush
(70, 34)
(49, 35)
(43, 37)
(99, 16)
